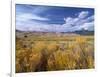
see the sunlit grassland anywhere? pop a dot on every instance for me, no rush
(36, 53)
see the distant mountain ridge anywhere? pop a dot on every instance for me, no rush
(80, 32)
(84, 32)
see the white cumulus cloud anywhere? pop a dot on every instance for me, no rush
(83, 14)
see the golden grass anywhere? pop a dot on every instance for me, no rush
(35, 55)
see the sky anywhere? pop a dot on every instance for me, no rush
(53, 18)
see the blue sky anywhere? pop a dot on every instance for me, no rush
(53, 18)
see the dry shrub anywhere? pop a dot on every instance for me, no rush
(34, 61)
(61, 61)
(39, 46)
(52, 47)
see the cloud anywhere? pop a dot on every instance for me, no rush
(29, 16)
(82, 21)
(26, 21)
(88, 26)
(83, 14)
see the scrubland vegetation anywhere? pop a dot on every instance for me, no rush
(34, 55)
